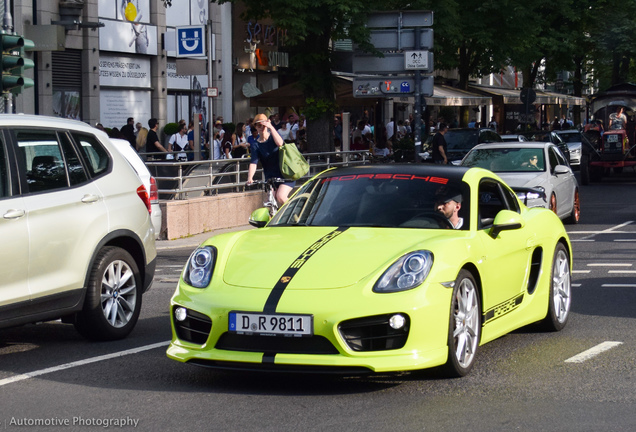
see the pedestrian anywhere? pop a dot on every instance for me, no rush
(140, 142)
(128, 131)
(439, 147)
(292, 125)
(493, 124)
(266, 152)
(390, 129)
(153, 145)
(138, 127)
(472, 124)
(239, 142)
(178, 142)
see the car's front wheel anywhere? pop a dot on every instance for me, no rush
(465, 325)
(113, 296)
(575, 215)
(560, 291)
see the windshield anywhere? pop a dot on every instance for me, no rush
(507, 159)
(571, 137)
(537, 136)
(461, 139)
(373, 200)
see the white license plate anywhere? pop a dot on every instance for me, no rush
(612, 138)
(271, 324)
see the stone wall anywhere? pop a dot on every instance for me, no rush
(183, 218)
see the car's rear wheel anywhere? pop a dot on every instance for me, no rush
(113, 296)
(553, 203)
(575, 215)
(465, 325)
(560, 296)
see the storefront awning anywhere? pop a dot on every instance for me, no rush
(451, 96)
(292, 95)
(512, 96)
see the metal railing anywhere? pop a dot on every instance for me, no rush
(188, 179)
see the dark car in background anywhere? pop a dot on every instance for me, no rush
(461, 141)
(551, 137)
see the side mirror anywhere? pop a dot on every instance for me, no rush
(561, 169)
(506, 220)
(259, 217)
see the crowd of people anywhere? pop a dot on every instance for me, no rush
(221, 141)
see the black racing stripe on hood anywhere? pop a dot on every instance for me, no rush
(277, 292)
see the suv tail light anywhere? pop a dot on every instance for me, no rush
(154, 190)
(143, 194)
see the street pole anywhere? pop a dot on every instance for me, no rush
(7, 27)
(418, 103)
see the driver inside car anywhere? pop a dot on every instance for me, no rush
(448, 202)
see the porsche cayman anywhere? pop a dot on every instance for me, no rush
(360, 272)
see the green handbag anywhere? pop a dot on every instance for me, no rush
(292, 163)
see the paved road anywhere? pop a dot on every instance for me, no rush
(581, 379)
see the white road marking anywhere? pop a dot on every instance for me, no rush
(609, 265)
(618, 286)
(623, 271)
(611, 230)
(592, 352)
(28, 375)
(582, 240)
(575, 285)
(625, 240)
(581, 271)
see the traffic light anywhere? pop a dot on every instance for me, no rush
(14, 63)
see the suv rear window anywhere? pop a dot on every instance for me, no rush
(94, 153)
(42, 156)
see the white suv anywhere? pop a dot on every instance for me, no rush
(77, 239)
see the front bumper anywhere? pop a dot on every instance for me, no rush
(330, 349)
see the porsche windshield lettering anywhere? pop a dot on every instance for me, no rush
(386, 176)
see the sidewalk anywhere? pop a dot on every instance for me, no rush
(193, 241)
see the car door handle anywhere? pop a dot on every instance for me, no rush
(89, 198)
(531, 242)
(14, 214)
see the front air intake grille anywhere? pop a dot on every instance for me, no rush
(276, 344)
(195, 328)
(374, 333)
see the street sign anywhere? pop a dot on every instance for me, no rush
(390, 86)
(417, 60)
(390, 63)
(386, 39)
(190, 41)
(212, 91)
(400, 19)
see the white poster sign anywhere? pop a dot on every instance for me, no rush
(174, 81)
(128, 37)
(117, 105)
(124, 72)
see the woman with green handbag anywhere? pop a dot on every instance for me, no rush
(266, 151)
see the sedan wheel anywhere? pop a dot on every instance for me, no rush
(465, 325)
(576, 210)
(560, 291)
(113, 296)
(553, 203)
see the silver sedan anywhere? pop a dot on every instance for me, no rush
(539, 166)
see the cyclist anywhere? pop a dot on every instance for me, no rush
(265, 150)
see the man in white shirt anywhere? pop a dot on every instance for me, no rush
(390, 128)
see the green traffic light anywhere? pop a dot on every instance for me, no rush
(13, 63)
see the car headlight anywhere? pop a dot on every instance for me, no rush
(199, 268)
(406, 273)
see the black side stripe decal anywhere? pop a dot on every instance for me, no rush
(277, 292)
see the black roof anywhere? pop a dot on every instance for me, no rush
(451, 172)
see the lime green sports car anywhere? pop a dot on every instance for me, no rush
(374, 269)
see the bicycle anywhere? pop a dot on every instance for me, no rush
(270, 186)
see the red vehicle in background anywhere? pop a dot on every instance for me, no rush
(612, 148)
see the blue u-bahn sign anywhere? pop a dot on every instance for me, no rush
(191, 41)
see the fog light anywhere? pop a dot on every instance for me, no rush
(397, 322)
(180, 314)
